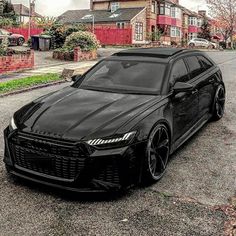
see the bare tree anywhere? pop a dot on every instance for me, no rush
(224, 11)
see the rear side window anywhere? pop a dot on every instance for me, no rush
(179, 72)
(195, 67)
(205, 62)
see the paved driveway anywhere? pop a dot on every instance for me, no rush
(201, 176)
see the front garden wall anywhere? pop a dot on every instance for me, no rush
(16, 62)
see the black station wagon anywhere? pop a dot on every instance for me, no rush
(117, 125)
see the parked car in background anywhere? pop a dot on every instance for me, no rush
(118, 124)
(199, 42)
(14, 39)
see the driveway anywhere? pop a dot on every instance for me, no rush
(201, 176)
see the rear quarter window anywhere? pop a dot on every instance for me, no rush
(205, 62)
(195, 68)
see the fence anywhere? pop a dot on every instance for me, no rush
(110, 36)
(25, 31)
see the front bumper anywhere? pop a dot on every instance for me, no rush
(98, 170)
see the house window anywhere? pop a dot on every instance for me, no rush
(139, 31)
(162, 9)
(199, 22)
(120, 25)
(175, 12)
(175, 31)
(192, 35)
(167, 9)
(193, 21)
(154, 7)
(115, 6)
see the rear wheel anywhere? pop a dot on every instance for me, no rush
(157, 154)
(20, 41)
(219, 104)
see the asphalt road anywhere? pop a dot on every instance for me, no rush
(200, 176)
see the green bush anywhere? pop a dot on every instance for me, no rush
(60, 32)
(3, 46)
(87, 41)
(6, 22)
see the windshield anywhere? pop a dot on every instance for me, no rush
(126, 76)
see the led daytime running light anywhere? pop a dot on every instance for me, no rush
(96, 142)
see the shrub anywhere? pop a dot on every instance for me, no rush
(87, 41)
(4, 46)
(60, 32)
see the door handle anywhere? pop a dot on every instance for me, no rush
(195, 91)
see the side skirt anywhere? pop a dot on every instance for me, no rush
(179, 142)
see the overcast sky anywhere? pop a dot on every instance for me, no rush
(57, 7)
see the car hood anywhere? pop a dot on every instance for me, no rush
(82, 114)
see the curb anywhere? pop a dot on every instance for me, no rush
(32, 88)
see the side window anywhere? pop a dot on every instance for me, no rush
(205, 62)
(179, 72)
(195, 67)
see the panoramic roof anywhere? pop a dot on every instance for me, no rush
(151, 52)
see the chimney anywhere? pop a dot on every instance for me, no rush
(202, 12)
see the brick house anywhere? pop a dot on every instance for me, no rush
(142, 17)
(23, 12)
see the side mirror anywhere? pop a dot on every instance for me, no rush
(181, 87)
(75, 78)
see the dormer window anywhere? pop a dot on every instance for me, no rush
(115, 6)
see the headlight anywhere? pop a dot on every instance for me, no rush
(12, 124)
(114, 141)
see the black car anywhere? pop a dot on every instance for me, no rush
(117, 125)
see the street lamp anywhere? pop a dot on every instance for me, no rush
(88, 17)
(30, 14)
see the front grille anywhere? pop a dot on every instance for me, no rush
(48, 157)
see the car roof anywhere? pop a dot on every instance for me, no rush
(160, 54)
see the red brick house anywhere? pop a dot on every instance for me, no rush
(139, 19)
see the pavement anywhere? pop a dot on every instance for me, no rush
(191, 200)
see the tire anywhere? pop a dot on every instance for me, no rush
(20, 41)
(157, 154)
(191, 45)
(219, 103)
(210, 47)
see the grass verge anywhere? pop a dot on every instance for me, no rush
(17, 84)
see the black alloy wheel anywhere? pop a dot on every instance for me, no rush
(219, 105)
(158, 150)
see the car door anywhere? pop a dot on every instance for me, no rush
(184, 104)
(206, 86)
(202, 83)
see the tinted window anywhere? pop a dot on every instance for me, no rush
(195, 67)
(124, 75)
(205, 62)
(179, 72)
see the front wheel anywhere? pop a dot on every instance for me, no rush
(157, 154)
(219, 103)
